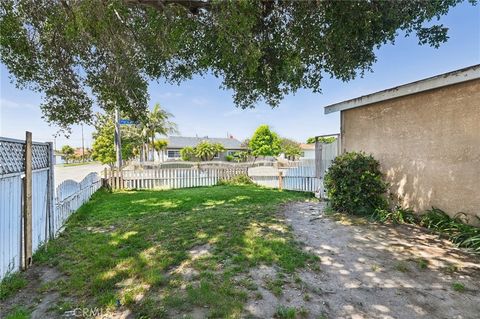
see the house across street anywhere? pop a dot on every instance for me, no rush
(176, 143)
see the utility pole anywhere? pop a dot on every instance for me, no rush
(83, 147)
(118, 142)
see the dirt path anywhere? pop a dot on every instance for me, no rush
(376, 271)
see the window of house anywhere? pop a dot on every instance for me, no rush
(173, 154)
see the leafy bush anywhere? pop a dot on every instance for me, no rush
(455, 229)
(397, 215)
(241, 156)
(187, 153)
(229, 158)
(354, 184)
(241, 179)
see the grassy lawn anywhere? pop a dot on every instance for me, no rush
(76, 164)
(128, 249)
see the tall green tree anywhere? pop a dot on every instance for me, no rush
(264, 142)
(207, 151)
(160, 145)
(103, 148)
(290, 148)
(81, 52)
(156, 122)
(67, 152)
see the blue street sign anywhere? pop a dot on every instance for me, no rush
(128, 122)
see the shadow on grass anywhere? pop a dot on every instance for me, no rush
(120, 250)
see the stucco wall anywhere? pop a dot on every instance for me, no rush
(428, 145)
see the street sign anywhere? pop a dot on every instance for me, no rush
(127, 122)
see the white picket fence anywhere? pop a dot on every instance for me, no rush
(306, 176)
(301, 178)
(171, 177)
(70, 195)
(267, 176)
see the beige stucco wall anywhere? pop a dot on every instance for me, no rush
(428, 145)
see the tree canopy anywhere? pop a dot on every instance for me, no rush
(207, 151)
(79, 53)
(290, 148)
(68, 152)
(322, 139)
(103, 148)
(264, 142)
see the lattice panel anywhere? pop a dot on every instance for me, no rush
(12, 153)
(11, 157)
(39, 156)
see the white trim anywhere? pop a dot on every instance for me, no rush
(455, 77)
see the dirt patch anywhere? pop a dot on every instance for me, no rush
(372, 271)
(36, 296)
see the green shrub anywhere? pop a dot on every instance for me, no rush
(354, 184)
(455, 229)
(187, 153)
(241, 179)
(240, 156)
(229, 158)
(397, 215)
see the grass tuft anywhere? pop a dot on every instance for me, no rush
(283, 312)
(402, 266)
(11, 284)
(18, 313)
(458, 286)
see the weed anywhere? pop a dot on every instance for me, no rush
(422, 263)
(275, 286)
(284, 312)
(455, 229)
(241, 179)
(248, 283)
(451, 268)
(18, 313)
(303, 312)
(458, 286)
(375, 268)
(11, 284)
(397, 215)
(402, 266)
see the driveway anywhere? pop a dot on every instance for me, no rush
(76, 173)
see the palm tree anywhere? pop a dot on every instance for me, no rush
(156, 122)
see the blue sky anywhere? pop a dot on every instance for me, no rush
(201, 108)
